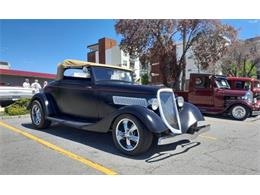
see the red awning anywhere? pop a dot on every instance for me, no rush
(27, 74)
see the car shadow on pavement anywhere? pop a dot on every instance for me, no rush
(166, 151)
(104, 142)
(220, 116)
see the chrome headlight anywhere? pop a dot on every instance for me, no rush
(153, 103)
(248, 97)
(180, 101)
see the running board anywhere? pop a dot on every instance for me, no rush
(70, 123)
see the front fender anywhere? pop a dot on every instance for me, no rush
(149, 118)
(189, 115)
(230, 103)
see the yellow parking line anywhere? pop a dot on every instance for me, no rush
(61, 150)
(208, 137)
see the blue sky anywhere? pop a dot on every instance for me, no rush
(39, 45)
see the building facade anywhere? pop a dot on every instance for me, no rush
(17, 77)
(4, 65)
(106, 51)
(191, 67)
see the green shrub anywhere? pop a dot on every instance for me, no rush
(18, 108)
(145, 79)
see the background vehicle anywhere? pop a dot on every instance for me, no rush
(9, 94)
(244, 84)
(104, 98)
(212, 94)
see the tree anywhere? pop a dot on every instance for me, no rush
(145, 79)
(156, 39)
(232, 70)
(212, 44)
(151, 40)
(241, 59)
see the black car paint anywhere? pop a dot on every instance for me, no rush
(92, 102)
(150, 119)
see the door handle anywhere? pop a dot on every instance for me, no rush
(89, 87)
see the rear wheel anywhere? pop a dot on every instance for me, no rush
(38, 116)
(239, 112)
(130, 135)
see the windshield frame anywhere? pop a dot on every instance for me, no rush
(217, 80)
(93, 70)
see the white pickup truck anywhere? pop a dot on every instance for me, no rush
(9, 94)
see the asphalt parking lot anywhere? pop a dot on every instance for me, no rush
(230, 147)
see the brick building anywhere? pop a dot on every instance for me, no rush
(106, 51)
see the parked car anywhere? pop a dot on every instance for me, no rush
(212, 94)
(245, 84)
(9, 94)
(104, 98)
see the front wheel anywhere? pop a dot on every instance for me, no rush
(38, 116)
(239, 112)
(130, 135)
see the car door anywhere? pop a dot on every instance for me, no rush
(201, 94)
(77, 96)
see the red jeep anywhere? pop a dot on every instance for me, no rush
(212, 94)
(244, 84)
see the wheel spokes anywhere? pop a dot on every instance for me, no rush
(133, 128)
(125, 122)
(239, 112)
(134, 138)
(36, 115)
(128, 144)
(120, 135)
(127, 134)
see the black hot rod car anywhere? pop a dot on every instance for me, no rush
(102, 98)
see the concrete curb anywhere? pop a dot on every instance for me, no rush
(14, 117)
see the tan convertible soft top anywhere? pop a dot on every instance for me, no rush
(66, 64)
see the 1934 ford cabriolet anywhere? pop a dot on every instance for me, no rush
(102, 98)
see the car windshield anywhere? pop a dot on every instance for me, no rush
(112, 74)
(222, 83)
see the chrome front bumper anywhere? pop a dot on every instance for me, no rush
(256, 112)
(186, 136)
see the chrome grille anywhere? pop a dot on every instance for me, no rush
(168, 109)
(127, 101)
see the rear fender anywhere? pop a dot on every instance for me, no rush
(46, 104)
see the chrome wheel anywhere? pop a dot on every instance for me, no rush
(127, 134)
(36, 114)
(239, 112)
